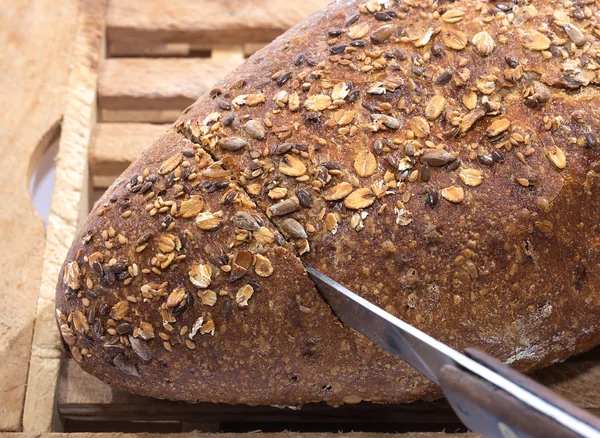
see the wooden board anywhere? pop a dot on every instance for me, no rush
(194, 434)
(115, 145)
(85, 398)
(157, 89)
(147, 24)
(69, 205)
(33, 83)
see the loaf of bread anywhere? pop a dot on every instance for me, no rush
(441, 160)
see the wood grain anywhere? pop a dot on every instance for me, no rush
(196, 434)
(160, 22)
(83, 397)
(32, 99)
(156, 87)
(69, 205)
(115, 145)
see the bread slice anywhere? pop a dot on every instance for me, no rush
(440, 160)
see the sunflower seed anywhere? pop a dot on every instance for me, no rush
(284, 207)
(255, 129)
(574, 34)
(382, 34)
(293, 229)
(437, 157)
(244, 221)
(232, 143)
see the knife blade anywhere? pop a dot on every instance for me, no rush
(483, 392)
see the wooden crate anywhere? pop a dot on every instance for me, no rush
(111, 76)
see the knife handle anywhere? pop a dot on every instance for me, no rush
(490, 411)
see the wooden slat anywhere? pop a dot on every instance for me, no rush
(69, 206)
(35, 37)
(151, 49)
(249, 435)
(148, 22)
(83, 397)
(157, 89)
(115, 145)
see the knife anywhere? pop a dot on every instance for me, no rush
(488, 396)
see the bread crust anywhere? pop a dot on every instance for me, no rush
(441, 161)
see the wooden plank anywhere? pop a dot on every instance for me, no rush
(248, 435)
(150, 49)
(115, 145)
(35, 35)
(69, 204)
(211, 22)
(157, 88)
(83, 397)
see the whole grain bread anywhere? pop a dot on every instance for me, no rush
(441, 160)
